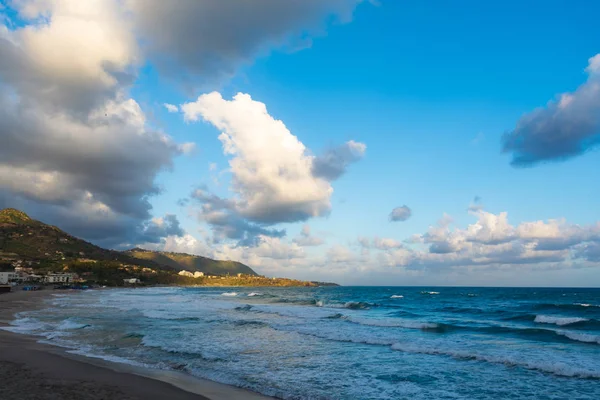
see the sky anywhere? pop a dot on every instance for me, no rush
(384, 142)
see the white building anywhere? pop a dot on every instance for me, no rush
(58, 278)
(8, 277)
(131, 281)
(196, 274)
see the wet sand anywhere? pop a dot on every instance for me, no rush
(32, 370)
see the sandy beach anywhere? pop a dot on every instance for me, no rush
(32, 370)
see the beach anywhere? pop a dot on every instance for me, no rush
(32, 370)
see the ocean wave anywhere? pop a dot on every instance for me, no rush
(250, 323)
(581, 307)
(229, 294)
(559, 369)
(69, 325)
(396, 296)
(408, 324)
(25, 325)
(253, 294)
(300, 301)
(115, 359)
(246, 307)
(359, 305)
(335, 316)
(351, 305)
(560, 321)
(580, 337)
(166, 315)
(429, 293)
(586, 305)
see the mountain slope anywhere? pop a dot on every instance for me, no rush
(27, 239)
(192, 263)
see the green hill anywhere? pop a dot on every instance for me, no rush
(188, 262)
(23, 238)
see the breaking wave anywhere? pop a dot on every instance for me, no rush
(560, 321)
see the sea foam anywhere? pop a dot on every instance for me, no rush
(560, 321)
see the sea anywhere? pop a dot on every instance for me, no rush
(343, 342)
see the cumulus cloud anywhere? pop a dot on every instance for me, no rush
(67, 126)
(306, 239)
(208, 40)
(336, 160)
(272, 170)
(565, 128)
(272, 174)
(400, 214)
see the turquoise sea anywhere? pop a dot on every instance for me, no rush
(344, 342)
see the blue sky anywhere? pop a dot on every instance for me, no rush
(433, 91)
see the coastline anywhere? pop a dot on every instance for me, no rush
(43, 371)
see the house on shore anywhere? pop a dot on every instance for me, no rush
(59, 278)
(8, 277)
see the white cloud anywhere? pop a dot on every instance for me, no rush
(272, 171)
(171, 107)
(493, 241)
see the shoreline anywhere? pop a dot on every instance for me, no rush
(50, 372)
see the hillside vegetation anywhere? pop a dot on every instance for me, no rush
(188, 262)
(45, 248)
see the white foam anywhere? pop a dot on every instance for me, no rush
(25, 326)
(253, 294)
(396, 296)
(560, 321)
(69, 325)
(580, 337)
(106, 357)
(230, 294)
(586, 305)
(432, 293)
